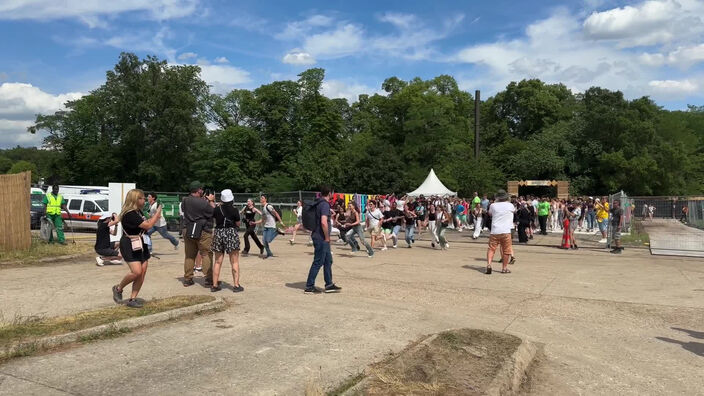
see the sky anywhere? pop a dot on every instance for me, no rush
(54, 51)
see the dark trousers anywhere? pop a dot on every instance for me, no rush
(321, 258)
(522, 236)
(250, 233)
(543, 220)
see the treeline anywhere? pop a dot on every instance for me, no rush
(159, 126)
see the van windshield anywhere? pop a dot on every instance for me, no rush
(102, 204)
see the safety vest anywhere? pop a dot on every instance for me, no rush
(54, 205)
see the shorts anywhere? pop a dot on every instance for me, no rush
(603, 225)
(375, 231)
(299, 220)
(615, 233)
(387, 231)
(504, 240)
(463, 218)
(130, 255)
(225, 240)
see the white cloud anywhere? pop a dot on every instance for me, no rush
(647, 23)
(19, 105)
(88, 11)
(340, 89)
(682, 57)
(298, 29)
(297, 57)
(221, 59)
(345, 40)
(224, 78)
(187, 55)
(674, 87)
(402, 21)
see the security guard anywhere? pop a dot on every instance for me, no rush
(54, 203)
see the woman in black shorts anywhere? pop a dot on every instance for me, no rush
(226, 240)
(134, 250)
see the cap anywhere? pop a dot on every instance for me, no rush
(195, 186)
(226, 195)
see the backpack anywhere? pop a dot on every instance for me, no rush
(309, 216)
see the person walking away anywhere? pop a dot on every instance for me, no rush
(616, 226)
(602, 217)
(54, 203)
(134, 225)
(591, 215)
(501, 213)
(651, 211)
(524, 221)
(543, 213)
(478, 220)
(460, 217)
(322, 256)
(226, 240)
(271, 217)
(249, 212)
(298, 211)
(574, 222)
(533, 218)
(198, 235)
(432, 225)
(160, 225)
(354, 222)
(409, 217)
(108, 251)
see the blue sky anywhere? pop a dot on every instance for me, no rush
(59, 50)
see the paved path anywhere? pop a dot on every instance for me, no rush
(628, 325)
(670, 237)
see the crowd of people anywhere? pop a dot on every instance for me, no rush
(210, 229)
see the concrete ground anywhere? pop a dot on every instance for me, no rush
(629, 324)
(669, 237)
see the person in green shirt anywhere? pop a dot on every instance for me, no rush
(543, 213)
(54, 203)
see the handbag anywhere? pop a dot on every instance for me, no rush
(135, 241)
(194, 230)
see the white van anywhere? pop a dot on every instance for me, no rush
(86, 210)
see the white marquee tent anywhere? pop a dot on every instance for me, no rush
(432, 186)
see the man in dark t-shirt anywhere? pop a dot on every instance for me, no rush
(322, 256)
(616, 225)
(108, 251)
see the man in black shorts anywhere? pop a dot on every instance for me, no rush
(108, 251)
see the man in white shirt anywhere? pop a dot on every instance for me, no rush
(501, 213)
(160, 225)
(373, 218)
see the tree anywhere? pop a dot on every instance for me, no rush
(24, 166)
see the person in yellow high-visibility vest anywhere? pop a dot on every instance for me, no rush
(54, 203)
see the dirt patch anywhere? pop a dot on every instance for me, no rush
(458, 362)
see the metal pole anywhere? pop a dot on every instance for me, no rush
(476, 123)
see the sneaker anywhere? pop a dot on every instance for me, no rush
(512, 261)
(332, 288)
(278, 231)
(215, 288)
(238, 289)
(447, 245)
(198, 269)
(432, 244)
(132, 303)
(245, 254)
(384, 248)
(188, 282)
(312, 290)
(176, 246)
(116, 295)
(602, 240)
(394, 246)
(115, 262)
(208, 282)
(290, 241)
(99, 262)
(409, 246)
(616, 251)
(370, 255)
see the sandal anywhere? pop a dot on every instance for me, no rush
(506, 271)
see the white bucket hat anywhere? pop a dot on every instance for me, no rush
(226, 195)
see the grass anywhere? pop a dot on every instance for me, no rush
(27, 329)
(346, 384)
(637, 237)
(40, 249)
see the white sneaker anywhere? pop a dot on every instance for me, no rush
(447, 245)
(602, 240)
(176, 247)
(116, 262)
(394, 246)
(99, 262)
(384, 248)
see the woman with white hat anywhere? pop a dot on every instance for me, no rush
(226, 240)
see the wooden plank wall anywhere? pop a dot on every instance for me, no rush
(15, 205)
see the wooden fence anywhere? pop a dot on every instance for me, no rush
(15, 206)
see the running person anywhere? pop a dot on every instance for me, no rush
(298, 211)
(250, 212)
(132, 246)
(271, 217)
(374, 217)
(355, 225)
(432, 225)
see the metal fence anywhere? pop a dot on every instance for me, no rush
(671, 208)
